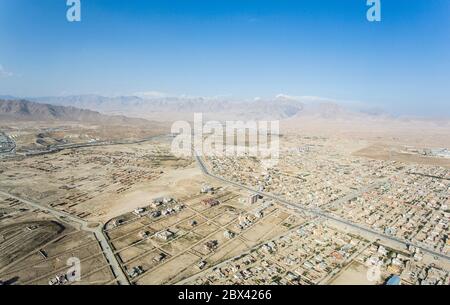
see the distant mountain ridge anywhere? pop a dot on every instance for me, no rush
(24, 110)
(169, 109)
(152, 107)
(172, 108)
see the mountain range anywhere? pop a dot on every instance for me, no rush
(175, 108)
(137, 109)
(24, 110)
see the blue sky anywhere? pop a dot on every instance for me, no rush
(242, 49)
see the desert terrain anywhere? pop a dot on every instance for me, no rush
(347, 195)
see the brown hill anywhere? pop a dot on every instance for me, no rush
(24, 110)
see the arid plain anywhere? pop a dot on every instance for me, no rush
(350, 201)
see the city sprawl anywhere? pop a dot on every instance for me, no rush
(131, 212)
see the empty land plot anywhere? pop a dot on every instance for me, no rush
(231, 249)
(45, 262)
(354, 274)
(20, 239)
(100, 277)
(265, 226)
(181, 244)
(70, 242)
(66, 244)
(216, 211)
(134, 251)
(166, 272)
(148, 261)
(125, 241)
(191, 223)
(171, 220)
(88, 266)
(125, 230)
(226, 218)
(205, 229)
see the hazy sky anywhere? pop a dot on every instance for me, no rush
(243, 48)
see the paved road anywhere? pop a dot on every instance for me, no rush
(320, 213)
(60, 147)
(97, 231)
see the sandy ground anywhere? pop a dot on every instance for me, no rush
(390, 152)
(411, 132)
(355, 274)
(175, 183)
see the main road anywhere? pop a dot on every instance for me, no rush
(84, 225)
(321, 213)
(60, 147)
